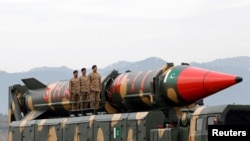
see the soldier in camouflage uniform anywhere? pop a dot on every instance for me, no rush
(74, 89)
(84, 90)
(95, 87)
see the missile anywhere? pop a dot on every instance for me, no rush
(162, 88)
(53, 98)
(170, 86)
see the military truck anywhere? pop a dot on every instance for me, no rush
(154, 105)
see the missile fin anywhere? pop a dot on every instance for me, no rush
(33, 84)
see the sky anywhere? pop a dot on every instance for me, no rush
(80, 33)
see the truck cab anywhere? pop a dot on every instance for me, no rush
(216, 115)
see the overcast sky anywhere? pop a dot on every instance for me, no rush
(80, 33)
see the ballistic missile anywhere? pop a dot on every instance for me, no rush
(170, 86)
(164, 88)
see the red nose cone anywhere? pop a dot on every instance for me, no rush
(194, 83)
(214, 82)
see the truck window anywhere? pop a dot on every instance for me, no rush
(211, 120)
(199, 122)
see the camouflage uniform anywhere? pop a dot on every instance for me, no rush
(95, 89)
(84, 92)
(74, 89)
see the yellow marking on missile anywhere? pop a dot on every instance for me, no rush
(40, 125)
(141, 93)
(65, 103)
(145, 99)
(30, 104)
(76, 136)
(164, 68)
(52, 134)
(171, 94)
(100, 135)
(109, 108)
(115, 119)
(123, 88)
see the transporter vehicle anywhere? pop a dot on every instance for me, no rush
(154, 105)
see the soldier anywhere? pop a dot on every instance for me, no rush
(95, 87)
(74, 89)
(84, 90)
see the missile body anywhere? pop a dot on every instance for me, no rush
(54, 98)
(170, 86)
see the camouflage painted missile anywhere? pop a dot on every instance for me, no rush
(134, 91)
(54, 97)
(169, 86)
(40, 112)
